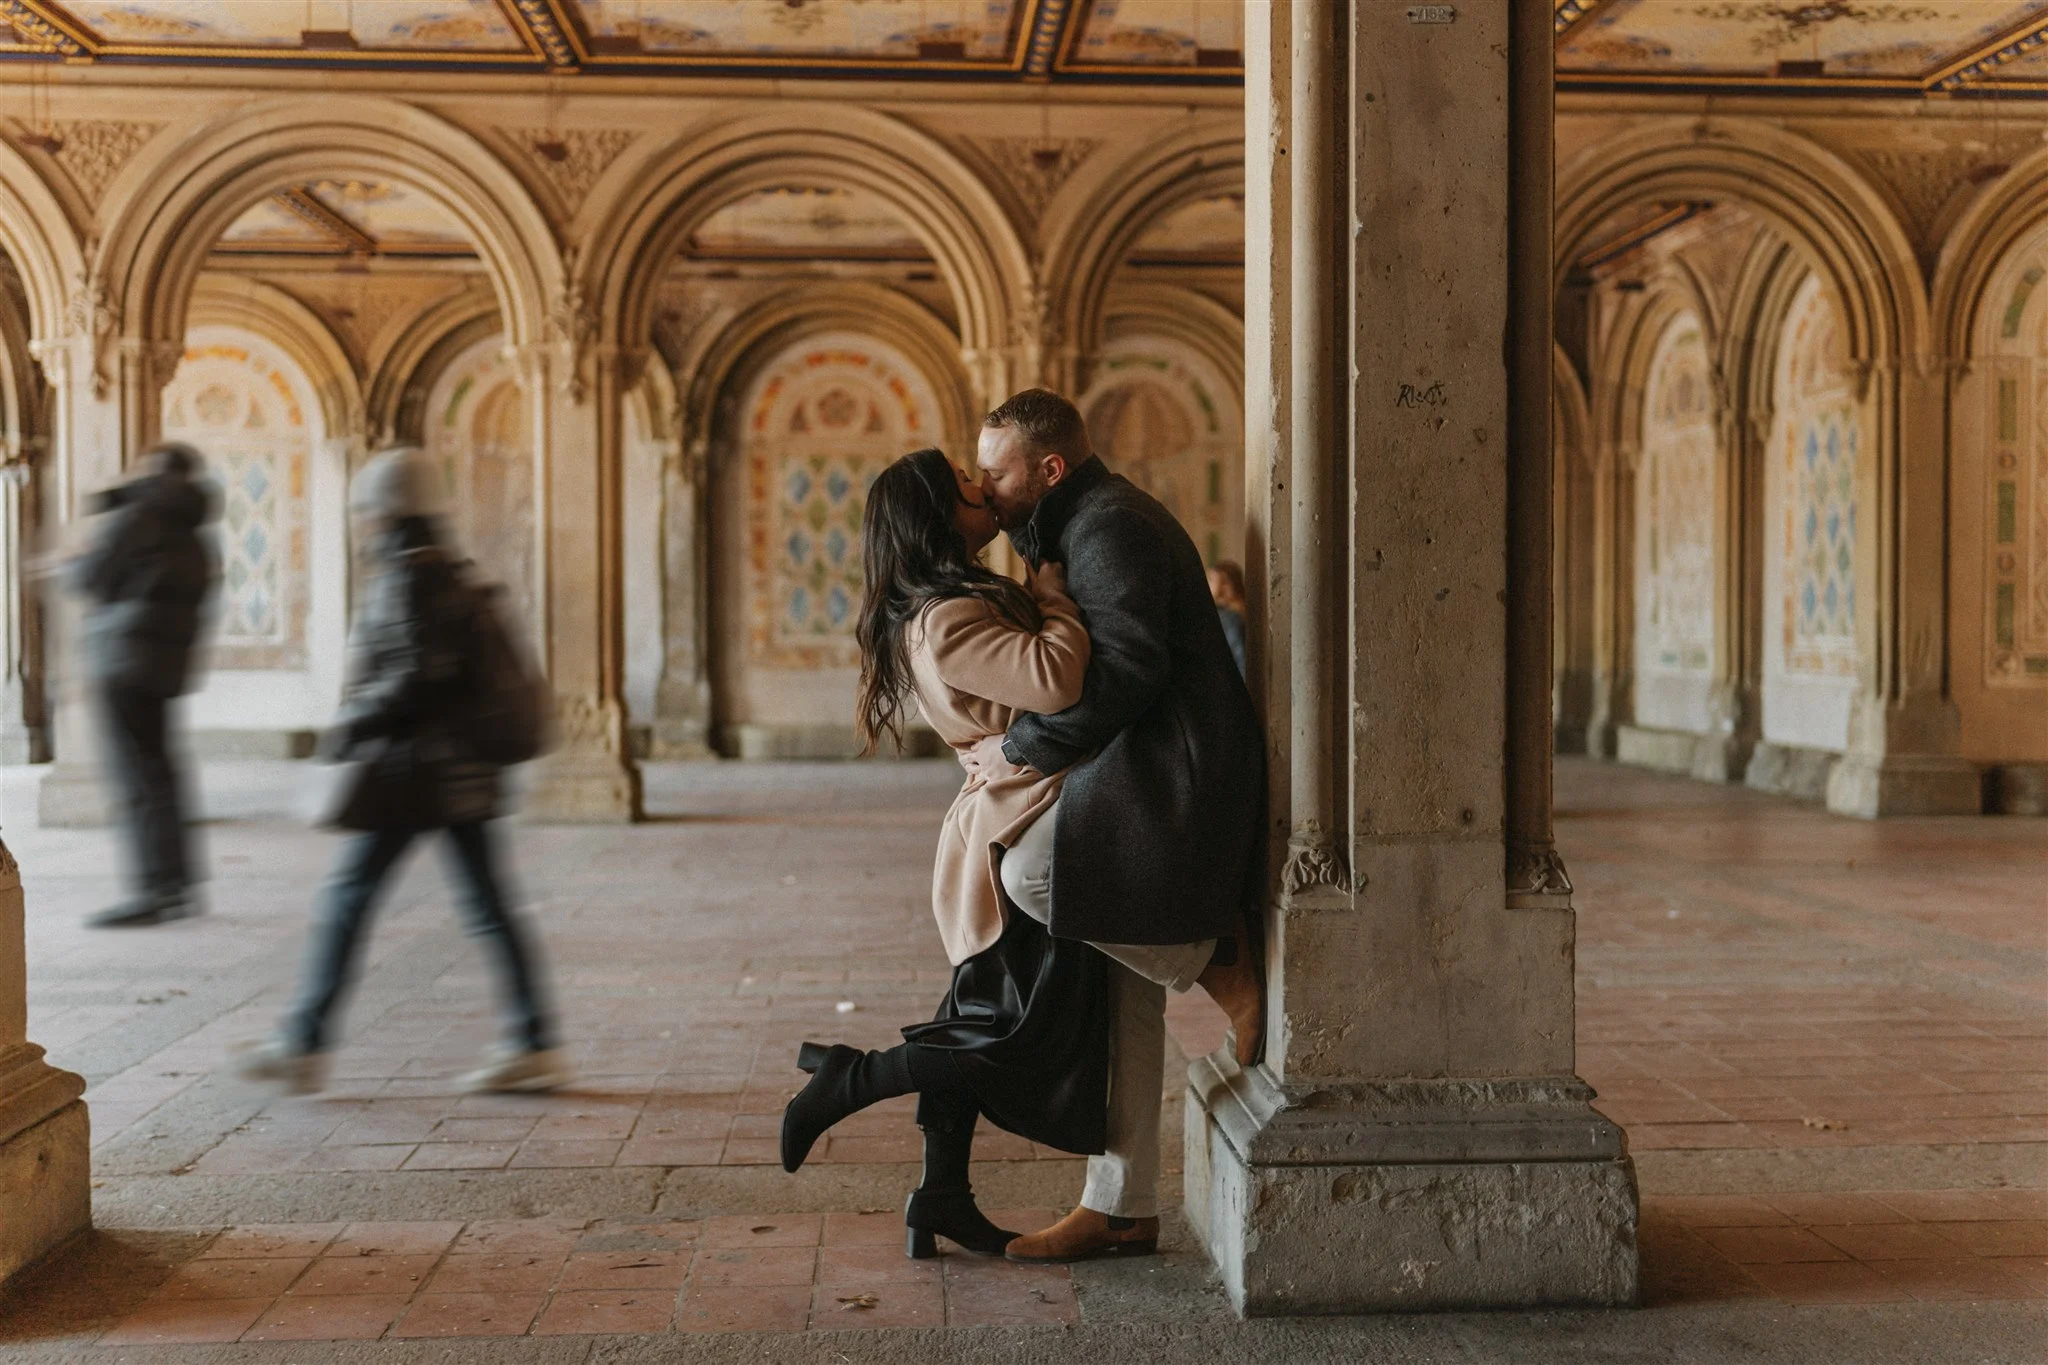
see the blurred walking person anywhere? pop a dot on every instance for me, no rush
(419, 745)
(1226, 587)
(146, 578)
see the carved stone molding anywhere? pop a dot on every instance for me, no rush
(93, 151)
(588, 725)
(1537, 870)
(1036, 167)
(1924, 179)
(1313, 860)
(572, 159)
(91, 317)
(571, 325)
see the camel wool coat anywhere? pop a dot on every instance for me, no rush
(975, 673)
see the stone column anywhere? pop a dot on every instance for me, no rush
(682, 697)
(45, 1180)
(1735, 713)
(1614, 504)
(1905, 734)
(578, 438)
(1416, 1137)
(24, 731)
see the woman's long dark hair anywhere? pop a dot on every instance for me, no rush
(913, 555)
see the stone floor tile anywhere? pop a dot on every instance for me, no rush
(1888, 1241)
(605, 1311)
(271, 1240)
(866, 1266)
(460, 1156)
(734, 1267)
(394, 1239)
(670, 1152)
(975, 1300)
(1717, 1210)
(2029, 1272)
(329, 1317)
(752, 1152)
(766, 1230)
(564, 1153)
(528, 1236)
(2018, 1237)
(463, 1129)
(782, 1308)
(351, 1274)
(862, 1230)
(469, 1315)
(626, 1270)
(163, 1322)
(896, 1148)
(839, 1307)
(233, 1279)
(1769, 1245)
(1834, 1210)
(1954, 1277)
(1826, 1282)
(495, 1272)
(348, 1157)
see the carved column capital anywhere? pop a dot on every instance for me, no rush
(1314, 861)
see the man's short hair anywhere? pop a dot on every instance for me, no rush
(1049, 422)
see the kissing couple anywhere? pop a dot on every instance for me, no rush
(1106, 847)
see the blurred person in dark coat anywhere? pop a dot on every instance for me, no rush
(410, 771)
(146, 577)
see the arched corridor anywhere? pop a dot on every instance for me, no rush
(1629, 427)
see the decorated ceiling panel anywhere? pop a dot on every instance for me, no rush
(1084, 40)
(1951, 47)
(1203, 228)
(347, 217)
(808, 222)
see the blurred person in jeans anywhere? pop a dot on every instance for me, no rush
(399, 737)
(146, 578)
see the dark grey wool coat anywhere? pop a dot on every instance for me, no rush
(147, 577)
(408, 679)
(1161, 822)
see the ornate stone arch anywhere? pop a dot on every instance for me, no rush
(721, 369)
(298, 331)
(164, 224)
(1088, 236)
(399, 386)
(958, 217)
(1807, 193)
(45, 249)
(1994, 223)
(1193, 319)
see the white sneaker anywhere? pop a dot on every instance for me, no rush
(302, 1073)
(517, 1071)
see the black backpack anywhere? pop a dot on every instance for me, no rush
(507, 713)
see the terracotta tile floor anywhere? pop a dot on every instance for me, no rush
(1754, 976)
(546, 1277)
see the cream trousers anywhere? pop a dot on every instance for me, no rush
(1124, 1180)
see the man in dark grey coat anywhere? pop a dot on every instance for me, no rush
(146, 578)
(1153, 851)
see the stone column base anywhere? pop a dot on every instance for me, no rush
(1721, 758)
(584, 789)
(2019, 789)
(1408, 1195)
(74, 796)
(1790, 770)
(1666, 751)
(45, 1172)
(1905, 785)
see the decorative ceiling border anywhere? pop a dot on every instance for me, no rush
(1966, 74)
(553, 38)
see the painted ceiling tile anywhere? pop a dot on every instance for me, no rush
(803, 220)
(269, 223)
(1159, 32)
(1873, 38)
(396, 215)
(877, 30)
(426, 25)
(1206, 226)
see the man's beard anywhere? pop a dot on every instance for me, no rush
(1015, 515)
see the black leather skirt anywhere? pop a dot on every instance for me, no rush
(1027, 1024)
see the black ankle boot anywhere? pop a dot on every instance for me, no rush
(943, 1203)
(844, 1080)
(952, 1214)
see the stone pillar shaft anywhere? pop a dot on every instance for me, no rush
(1415, 1137)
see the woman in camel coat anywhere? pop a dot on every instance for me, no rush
(1022, 1035)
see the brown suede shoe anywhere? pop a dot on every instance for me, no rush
(1085, 1234)
(1240, 989)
